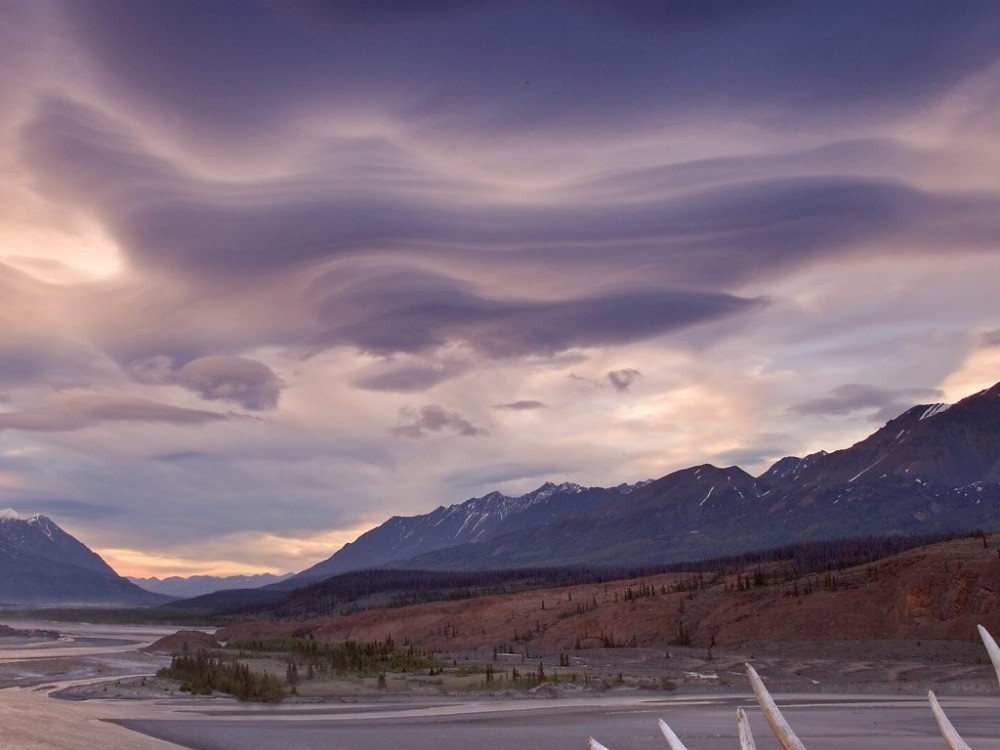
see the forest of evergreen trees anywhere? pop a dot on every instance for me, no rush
(202, 673)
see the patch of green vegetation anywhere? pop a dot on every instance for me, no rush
(347, 657)
(201, 674)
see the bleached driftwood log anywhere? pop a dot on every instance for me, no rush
(991, 648)
(783, 731)
(746, 736)
(672, 739)
(952, 738)
(781, 728)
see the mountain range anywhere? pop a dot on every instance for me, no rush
(42, 564)
(934, 468)
(477, 521)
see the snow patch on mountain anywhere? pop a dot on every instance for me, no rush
(933, 410)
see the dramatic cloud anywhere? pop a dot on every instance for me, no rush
(507, 67)
(398, 311)
(432, 418)
(294, 211)
(721, 233)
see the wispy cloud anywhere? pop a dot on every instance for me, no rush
(75, 410)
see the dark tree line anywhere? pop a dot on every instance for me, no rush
(349, 656)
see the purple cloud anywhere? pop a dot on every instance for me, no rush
(473, 199)
(525, 66)
(419, 423)
(713, 235)
(520, 406)
(76, 410)
(622, 380)
(410, 311)
(853, 397)
(411, 378)
(247, 382)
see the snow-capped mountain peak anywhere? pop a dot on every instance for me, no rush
(548, 490)
(474, 521)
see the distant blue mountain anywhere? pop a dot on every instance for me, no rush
(184, 588)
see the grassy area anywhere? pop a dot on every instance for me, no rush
(203, 673)
(255, 669)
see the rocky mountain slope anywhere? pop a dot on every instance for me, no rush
(42, 564)
(474, 521)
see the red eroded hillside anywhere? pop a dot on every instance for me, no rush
(937, 592)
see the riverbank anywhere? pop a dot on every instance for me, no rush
(843, 695)
(873, 668)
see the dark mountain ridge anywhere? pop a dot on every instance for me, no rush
(955, 445)
(933, 469)
(474, 521)
(42, 564)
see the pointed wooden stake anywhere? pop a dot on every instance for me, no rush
(991, 648)
(746, 736)
(672, 739)
(952, 738)
(781, 728)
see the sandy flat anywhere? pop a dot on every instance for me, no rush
(823, 723)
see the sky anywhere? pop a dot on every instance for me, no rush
(273, 272)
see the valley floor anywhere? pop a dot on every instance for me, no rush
(839, 695)
(865, 667)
